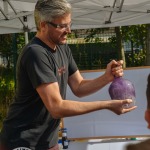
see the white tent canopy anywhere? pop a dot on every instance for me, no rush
(17, 15)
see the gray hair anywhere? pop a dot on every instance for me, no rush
(48, 10)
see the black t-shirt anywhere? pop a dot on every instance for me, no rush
(28, 123)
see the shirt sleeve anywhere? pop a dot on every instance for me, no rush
(38, 66)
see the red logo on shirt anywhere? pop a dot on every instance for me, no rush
(61, 71)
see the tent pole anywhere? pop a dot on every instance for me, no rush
(26, 38)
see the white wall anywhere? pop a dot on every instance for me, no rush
(104, 123)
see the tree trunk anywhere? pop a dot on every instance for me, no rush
(148, 46)
(132, 53)
(120, 46)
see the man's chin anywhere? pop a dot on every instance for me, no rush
(63, 42)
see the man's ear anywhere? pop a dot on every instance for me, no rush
(43, 26)
(147, 117)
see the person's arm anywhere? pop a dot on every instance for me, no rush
(83, 87)
(60, 108)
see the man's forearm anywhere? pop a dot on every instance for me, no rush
(88, 87)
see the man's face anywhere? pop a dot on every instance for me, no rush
(58, 29)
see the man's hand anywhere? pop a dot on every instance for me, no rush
(114, 69)
(117, 106)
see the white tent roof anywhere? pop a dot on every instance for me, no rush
(86, 14)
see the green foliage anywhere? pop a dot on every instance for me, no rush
(90, 56)
(93, 35)
(113, 41)
(6, 49)
(72, 35)
(20, 39)
(135, 33)
(138, 59)
(7, 91)
(6, 43)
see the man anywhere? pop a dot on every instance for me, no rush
(145, 145)
(44, 68)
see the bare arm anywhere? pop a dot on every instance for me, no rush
(59, 108)
(83, 87)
